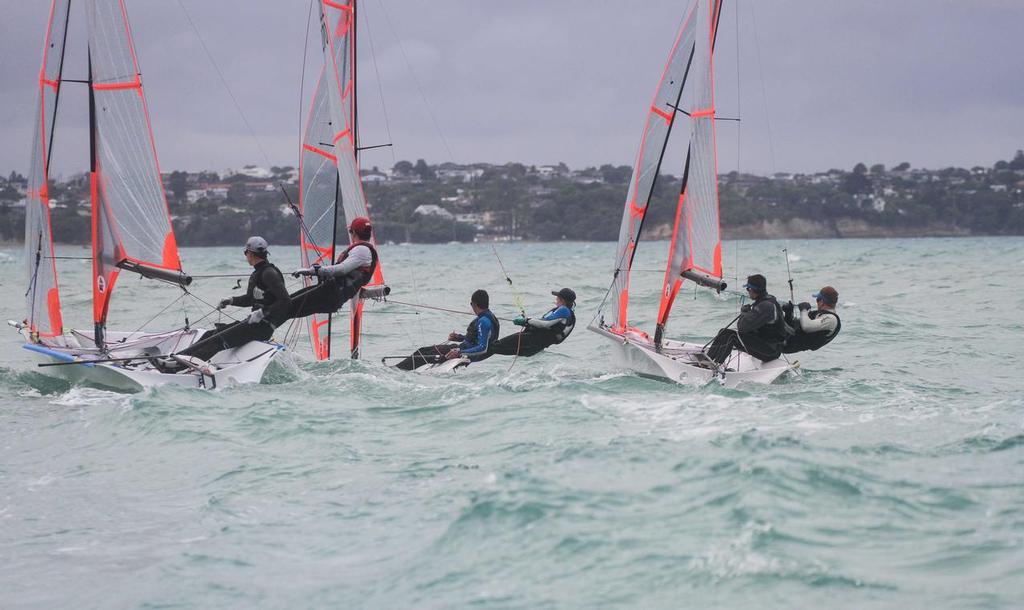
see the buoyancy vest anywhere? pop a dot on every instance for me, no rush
(361, 276)
(812, 341)
(777, 331)
(471, 330)
(559, 332)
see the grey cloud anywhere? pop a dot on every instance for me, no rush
(933, 83)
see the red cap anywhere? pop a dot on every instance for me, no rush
(361, 226)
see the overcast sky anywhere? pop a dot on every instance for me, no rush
(820, 84)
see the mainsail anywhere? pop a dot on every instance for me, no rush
(43, 296)
(660, 118)
(696, 248)
(130, 218)
(329, 168)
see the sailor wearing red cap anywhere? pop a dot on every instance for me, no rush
(353, 269)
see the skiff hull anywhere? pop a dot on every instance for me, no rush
(679, 362)
(244, 364)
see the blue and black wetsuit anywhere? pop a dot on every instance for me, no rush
(538, 334)
(476, 344)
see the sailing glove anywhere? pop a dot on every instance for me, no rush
(805, 306)
(520, 321)
(745, 308)
(224, 303)
(313, 271)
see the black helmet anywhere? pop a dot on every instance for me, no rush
(567, 295)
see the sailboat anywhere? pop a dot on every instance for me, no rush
(329, 178)
(131, 225)
(695, 250)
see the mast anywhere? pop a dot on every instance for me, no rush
(99, 322)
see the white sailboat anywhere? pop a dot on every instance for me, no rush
(131, 226)
(695, 251)
(329, 168)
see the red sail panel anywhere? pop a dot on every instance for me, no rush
(696, 237)
(42, 299)
(136, 216)
(660, 118)
(106, 252)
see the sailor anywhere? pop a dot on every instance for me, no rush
(265, 295)
(540, 333)
(476, 344)
(815, 329)
(761, 328)
(353, 269)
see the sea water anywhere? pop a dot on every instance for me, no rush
(888, 474)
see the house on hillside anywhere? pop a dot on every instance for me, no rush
(429, 209)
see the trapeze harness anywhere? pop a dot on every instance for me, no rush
(360, 276)
(813, 341)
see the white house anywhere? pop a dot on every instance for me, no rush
(429, 209)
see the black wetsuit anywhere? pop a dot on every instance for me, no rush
(761, 331)
(536, 336)
(266, 291)
(476, 344)
(329, 294)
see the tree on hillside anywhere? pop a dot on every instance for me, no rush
(877, 168)
(860, 168)
(902, 167)
(178, 183)
(1018, 161)
(423, 170)
(403, 168)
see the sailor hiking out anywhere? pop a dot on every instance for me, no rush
(476, 344)
(353, 269)
(761, 329)
(540, 333)
(814, 329)
(265, 295)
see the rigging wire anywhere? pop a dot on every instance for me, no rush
(416, 80)
(380, 86)
(764, 89)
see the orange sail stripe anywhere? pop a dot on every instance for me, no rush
(135, 84)
(342, 134)
(663, 114)
(341, 7)
(321, 152)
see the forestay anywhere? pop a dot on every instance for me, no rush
(43, 296)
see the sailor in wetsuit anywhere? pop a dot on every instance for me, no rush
(540, 333)
(761, 328)
(267, 297)
(340, 282)
(814, 329)
(475, 344)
